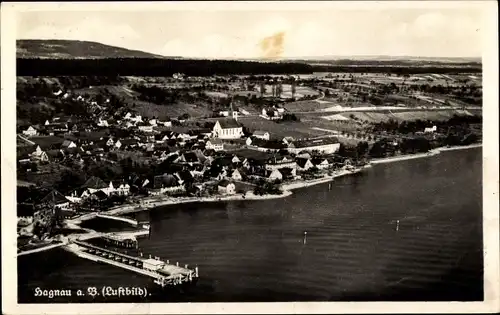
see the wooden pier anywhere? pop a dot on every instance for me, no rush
(163, 273)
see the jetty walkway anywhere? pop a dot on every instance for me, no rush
(163, 273)
(117, 218)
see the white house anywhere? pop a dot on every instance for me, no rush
(134, 118)
(30, 132)
(215, 144)
(275, 175)
(320, 163)
(118, 144)
(146, 128)
(102, 122)
(227, 129)
(304, 164)
(123, 189)
(235, 159)
(110, 142)
(272, 113)
(280, 163)
(261, 134)
(68, 144)
(185, 136)
(236, 175)
(39, 154)
(430, 130)
(226, 187)
(137, 118)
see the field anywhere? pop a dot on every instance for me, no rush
(375, 117)
(308, 106)
(280, 130)
(170, 111)
(149, 109)
(348, 125)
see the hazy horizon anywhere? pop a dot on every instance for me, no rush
(415, 33)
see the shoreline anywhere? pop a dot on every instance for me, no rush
(153, 202)
(432, 152)
(148, 203)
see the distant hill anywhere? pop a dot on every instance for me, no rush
(391, 58)
(382, 60)
(74, 49)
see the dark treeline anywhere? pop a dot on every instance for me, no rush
(152, 67)
(167, 67)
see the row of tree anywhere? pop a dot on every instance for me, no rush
(168, 67)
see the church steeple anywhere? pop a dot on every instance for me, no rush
(232, 113)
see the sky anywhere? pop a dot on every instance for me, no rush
(448, 32)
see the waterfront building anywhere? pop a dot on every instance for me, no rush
(320, 163)
(226, 187)
(280, 162)
(303, 164)
(275, 175)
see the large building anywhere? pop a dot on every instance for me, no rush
(321, 145)
(227, 129)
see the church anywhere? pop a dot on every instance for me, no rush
(228, 128)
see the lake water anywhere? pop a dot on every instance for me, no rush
(255, 250)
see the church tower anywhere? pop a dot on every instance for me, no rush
(232, 113)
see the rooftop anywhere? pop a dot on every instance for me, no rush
(95, 182)
(48, 142)
(229, 123)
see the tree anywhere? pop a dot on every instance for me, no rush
(69, 181)
(362, 149)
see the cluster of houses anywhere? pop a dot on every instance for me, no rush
(220, 159)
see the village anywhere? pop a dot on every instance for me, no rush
(102, 158)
